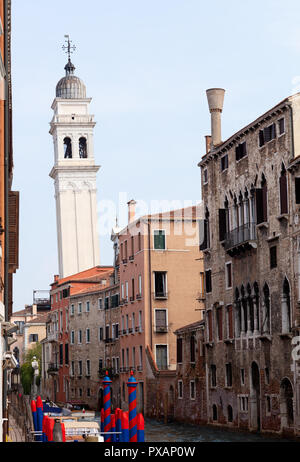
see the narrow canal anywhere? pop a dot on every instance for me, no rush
(182, 433)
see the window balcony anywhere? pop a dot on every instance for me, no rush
(240, 239)
(52, 369)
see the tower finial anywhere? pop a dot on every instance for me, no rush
(69, 49)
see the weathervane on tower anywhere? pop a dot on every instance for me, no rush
(69, 49)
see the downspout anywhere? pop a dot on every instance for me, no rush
(150, 285)
(6, 190)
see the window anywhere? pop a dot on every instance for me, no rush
(162, 357)
(219, 313)
(229, 413)
(160, 280)
(67, 353)
(79, 308)
(283, 191)
(241, 151)
(100, 364)
(82, 148)
(133, 357)
(179, 350)
(229, 322)
(262, 202)
(228, 375)
(72, 337)
(243, 403)
(88, 335)
(204, 230)
(33, 338)
(140, 285)
(205, 176)
(140, 241)
(141, 356)
(107, 332)
(268, 404)
(267, 134)
(192, 349)
(80, 336)
(106, 303)
(132, 290)
(140, 321)
(87, 307)
(88, 367)
(297, 190)
(180, 389)
(281, 126)
(224, 163)
(61, 359)
(100, 333)
(267, 375)
(209, 325)
(159, 240)
(161, 320)
(213, 375)
(67, 148)
(228, 267)
(273, 257)
(208, 282)
(72, 310)
(242, 376)
(72, 368)
(192, 389)
(100, 307)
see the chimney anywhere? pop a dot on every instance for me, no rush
(34, 310)
(208, 143)
(215, 97)
(131, 211)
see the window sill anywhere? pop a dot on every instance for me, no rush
(284, 335)
(264, 224)
(283, 216)
(265, 338)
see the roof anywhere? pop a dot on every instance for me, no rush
(255, 124)
(40, 319)
(189, 327)
(88, 276)
(70, 86)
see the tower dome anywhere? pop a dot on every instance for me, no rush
(70, 86)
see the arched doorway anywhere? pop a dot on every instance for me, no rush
(100, 399)
(286, 403)
(255, 397)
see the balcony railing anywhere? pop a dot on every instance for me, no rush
(240, 236)
(52, 368)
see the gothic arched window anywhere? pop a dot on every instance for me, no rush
(286, 307)
(266, 318)
(283, 191)
(82, 148)
(67, 148)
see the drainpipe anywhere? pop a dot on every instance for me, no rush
(150, 285)
(6, 176)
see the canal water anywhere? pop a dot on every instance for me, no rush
(182, 433)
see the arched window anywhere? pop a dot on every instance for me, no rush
(266, 318)
(82, 148)
(238, 314)
(286, 307)
(264, 188)
(283, 191)
(251, 307)
(67, 148)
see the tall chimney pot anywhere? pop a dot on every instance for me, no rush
(215, 98)
(131, 211)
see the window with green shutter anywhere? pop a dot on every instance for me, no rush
(159, 240)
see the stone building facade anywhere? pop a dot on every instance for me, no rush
(251, 269)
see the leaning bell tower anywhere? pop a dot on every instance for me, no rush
(74, 174)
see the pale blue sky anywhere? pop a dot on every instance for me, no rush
(146, 64)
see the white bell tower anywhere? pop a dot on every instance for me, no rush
(74, 174)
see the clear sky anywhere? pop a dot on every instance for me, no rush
(146, 64)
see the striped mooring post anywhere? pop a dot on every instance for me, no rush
(132, 384)
(106, 401)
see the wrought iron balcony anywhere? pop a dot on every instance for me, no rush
(240, 239)
(52, 368)
(161, 329)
